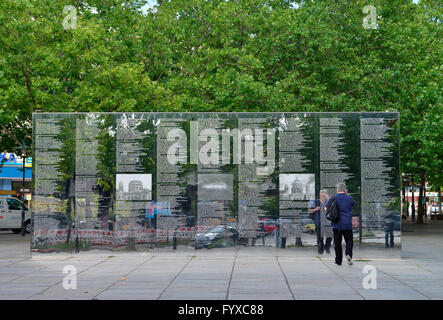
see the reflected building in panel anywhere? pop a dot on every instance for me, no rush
(136, 191)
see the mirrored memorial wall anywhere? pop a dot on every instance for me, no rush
(211, 181)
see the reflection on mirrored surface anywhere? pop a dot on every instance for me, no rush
(213, 181)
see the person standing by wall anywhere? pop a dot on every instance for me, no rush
(326, 229)
(343, 228)
(388, 226)
(322, 226)
(314, 214)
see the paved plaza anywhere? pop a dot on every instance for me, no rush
(248, 273)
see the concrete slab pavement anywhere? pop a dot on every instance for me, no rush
(230, 275)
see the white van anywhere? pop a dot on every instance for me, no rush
(11, 215)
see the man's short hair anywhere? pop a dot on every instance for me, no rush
(324, 191)
(341, 187)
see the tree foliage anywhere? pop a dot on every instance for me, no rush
(215, 55)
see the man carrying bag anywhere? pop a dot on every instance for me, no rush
(339, 212)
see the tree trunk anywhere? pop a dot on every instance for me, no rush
(439, 200)
(413, 199)
(425, 206)
(404, 201)
(421, 206)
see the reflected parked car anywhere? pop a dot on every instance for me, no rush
(269, 225)
(11, 214)
(355, 222)
(308, 225)
(204, 240)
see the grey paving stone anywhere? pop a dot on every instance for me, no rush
(257, 274)
(204, 276)
(391, 294)
(433, 292)
(329, 297)
(203, 295)
(123, 296)
(269, 286)
(322, 291)
(35, 281)
(314, 283)
(19, 271)
(144, 287)
(88, 276)
(14, 292)
(200, 283)
(59, 293)
(137, 277)
(260, 296)
(133, 290)
(381, 284)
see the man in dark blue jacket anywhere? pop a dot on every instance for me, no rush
(343, 228)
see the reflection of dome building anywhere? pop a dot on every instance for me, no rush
(135, 186)
(300, 187)
(297, 188)
(135, 191)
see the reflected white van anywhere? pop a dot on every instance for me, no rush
(11, 215)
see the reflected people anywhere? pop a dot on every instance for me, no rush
(325, 229)
(322, 225)
(388, 226)
(343, 228)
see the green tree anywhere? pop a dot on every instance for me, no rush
(249, 55)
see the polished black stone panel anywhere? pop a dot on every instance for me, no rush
(206, 181)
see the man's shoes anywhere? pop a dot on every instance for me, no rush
(327, 251)
(338, 264)
(349, 260)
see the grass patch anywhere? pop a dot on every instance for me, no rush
(221, 243)
(367, 233)
(362, 260)
(64, 246)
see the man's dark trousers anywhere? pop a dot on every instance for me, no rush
(389, 234)
(338, 234)
(320, 243)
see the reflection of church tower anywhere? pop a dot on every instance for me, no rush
(120, 191)
(286, 189)
(88, 211)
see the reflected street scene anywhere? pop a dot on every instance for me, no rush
(222, 181)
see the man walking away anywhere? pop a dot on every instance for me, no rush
(343, 228)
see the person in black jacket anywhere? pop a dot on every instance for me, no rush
(388, 225)
(343, 228)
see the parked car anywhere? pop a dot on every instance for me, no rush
(434, 208)
(11, 214)
(355, 223)
(269, 225)
(309, 228)
(308, 225)
(204, 240)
